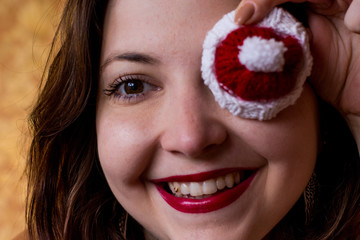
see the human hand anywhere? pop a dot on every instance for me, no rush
(251, 11)
(335, 43)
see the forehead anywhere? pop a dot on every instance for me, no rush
(145, 25)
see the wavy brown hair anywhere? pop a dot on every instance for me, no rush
(68, 196)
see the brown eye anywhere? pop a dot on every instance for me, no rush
(133, 87)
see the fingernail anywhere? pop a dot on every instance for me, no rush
(244, 13)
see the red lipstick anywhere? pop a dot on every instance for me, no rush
(208, 204)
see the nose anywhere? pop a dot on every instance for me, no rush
(193, 126)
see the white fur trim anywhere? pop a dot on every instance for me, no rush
(284, 24)
(262, 55)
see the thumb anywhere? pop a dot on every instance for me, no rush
(253, 11)
(352, 17)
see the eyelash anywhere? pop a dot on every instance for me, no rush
(114, 90)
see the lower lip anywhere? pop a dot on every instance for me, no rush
(209, 204)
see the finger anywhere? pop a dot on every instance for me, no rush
(252, 11)
(244, 12)
(352, 16)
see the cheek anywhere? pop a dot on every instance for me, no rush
(121, 146)
(291, 139)
(291, 156)
(289, 146)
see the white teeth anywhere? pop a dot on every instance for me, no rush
(175, 187)
(237, 177)
(208, 187)
(220, 183)
(185, 188)
(229, 180)
(195, 189)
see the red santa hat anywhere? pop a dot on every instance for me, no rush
(257, 71)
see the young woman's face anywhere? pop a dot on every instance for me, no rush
(160, 131)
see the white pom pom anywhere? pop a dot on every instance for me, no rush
(262, 55)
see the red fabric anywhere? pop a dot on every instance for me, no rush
(256, 86)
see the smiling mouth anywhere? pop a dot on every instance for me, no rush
(205, 192)
(207, 188)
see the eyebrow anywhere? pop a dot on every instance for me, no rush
(131, 57)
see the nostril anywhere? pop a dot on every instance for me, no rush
(195, 142)
(210, 147)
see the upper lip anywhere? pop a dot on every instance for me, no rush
(202, 176)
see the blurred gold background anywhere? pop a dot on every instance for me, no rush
(26, 30)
